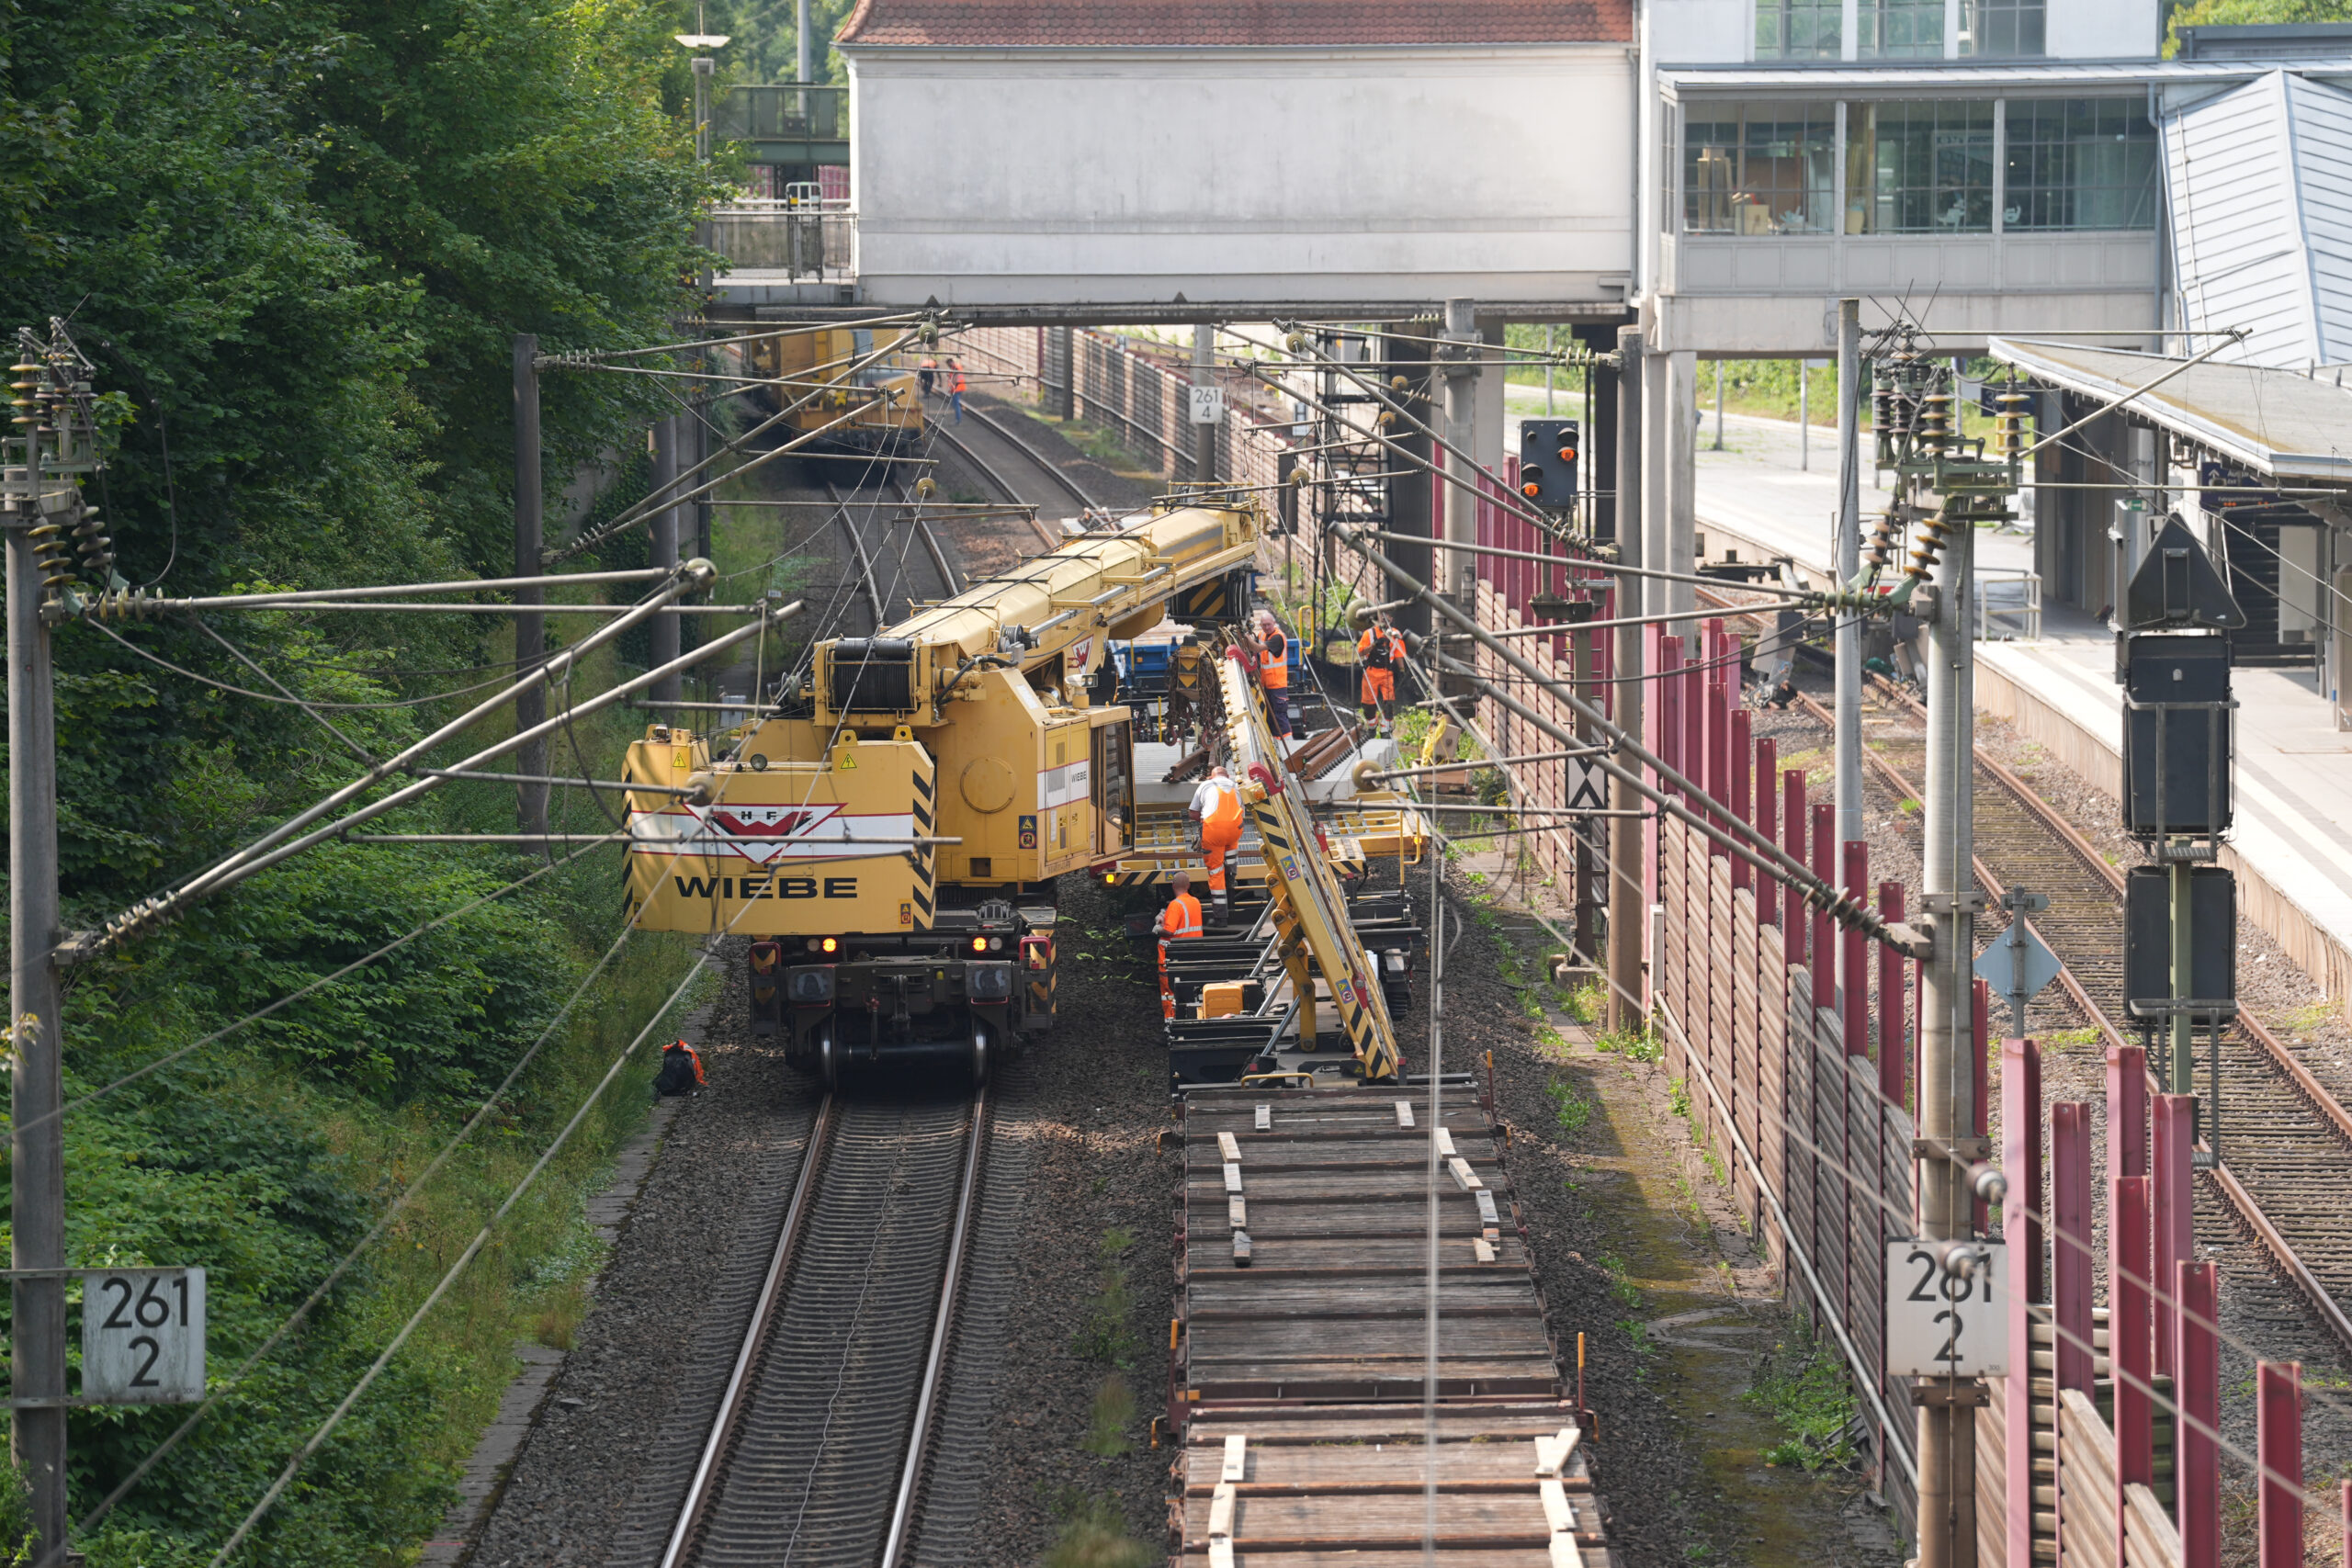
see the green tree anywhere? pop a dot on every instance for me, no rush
(2241, 12)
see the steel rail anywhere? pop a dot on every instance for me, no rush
(731, 1404)
(1053, 469)
(948, 585)
(736, 1407)
(1004, 486)
(865, 565)
(2234, 1192)
(942, 1330)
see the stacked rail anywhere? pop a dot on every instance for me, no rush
(1303, 1356)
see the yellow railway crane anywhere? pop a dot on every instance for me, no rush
(892, 838)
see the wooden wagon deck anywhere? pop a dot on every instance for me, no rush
(1297, 1378)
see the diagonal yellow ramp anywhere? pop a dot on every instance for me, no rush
(1299, 878)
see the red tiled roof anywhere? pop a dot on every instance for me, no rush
(999, 24)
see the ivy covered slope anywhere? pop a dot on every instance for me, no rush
(295, 236)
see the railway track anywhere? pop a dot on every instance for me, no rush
(890, 585)
(2283, 1139)
(821, 1449)
(994, 472)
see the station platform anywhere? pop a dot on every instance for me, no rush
(1296, 1368)
(2291, 846)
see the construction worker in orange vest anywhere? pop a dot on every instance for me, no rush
(1182, 917)
(1273, 675)
(681, 1070)
(955, 388)
(1378, 653)
(1216, 813)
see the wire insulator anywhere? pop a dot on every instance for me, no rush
(1881, 553)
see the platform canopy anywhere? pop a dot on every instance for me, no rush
(2289, 424)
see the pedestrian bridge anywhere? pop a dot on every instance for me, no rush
(1184, 158)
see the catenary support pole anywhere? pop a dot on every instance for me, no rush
(1458, 580)
(1582, 661)
(801, 44)
(530, 629)
(2182, 1038)
(1947, 1462)
(1628, 919)
(1848, 695)
(1804, 415)
(36, 1145)
(664, 628)
(1204, 374)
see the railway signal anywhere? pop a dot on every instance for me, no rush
(2181, 937)
(1548, 450)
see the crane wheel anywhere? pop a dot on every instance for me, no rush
(829, 1067)
(979, 1055)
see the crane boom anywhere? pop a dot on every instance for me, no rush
(1310, 909)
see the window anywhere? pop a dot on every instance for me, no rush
(1902, 30)
(1800, 30)
(2001, 29)
(2080, 164)
(1919, 168)
(1759, 168)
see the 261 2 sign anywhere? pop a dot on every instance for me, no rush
(1945, 1326)
(142, 1335)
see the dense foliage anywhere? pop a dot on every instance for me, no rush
(2182, 13)
(296, 237)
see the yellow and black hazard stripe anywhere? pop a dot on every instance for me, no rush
(925, 892)
(1225, 598)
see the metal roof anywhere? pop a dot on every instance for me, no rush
(2259, 187)
(1883, 77)
(2284, 423)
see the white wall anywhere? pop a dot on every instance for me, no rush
(1701, 32)
(1251, 175)
(2102, 29)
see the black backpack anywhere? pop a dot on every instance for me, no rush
(1380, 655)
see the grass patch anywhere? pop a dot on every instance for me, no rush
(1622, 1289)
(1106, 1335)
(1572, 1109)
(2068, 1039)
(1093, 1536)
(1802, 1387)
(1107, 1434)
(2305, 1020)
(1677, 1100)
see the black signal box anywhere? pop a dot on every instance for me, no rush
(2147, 941)
(1548, 451)
(2177, 735)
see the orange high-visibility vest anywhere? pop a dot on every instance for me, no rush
(1273, 672)
(1225, 811)
(1183, 918)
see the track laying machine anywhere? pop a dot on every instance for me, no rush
(890, 835)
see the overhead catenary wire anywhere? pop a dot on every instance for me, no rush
(473, 1250)
(270, 846)
(1734, 833)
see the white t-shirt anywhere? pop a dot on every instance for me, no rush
(1204, 797)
